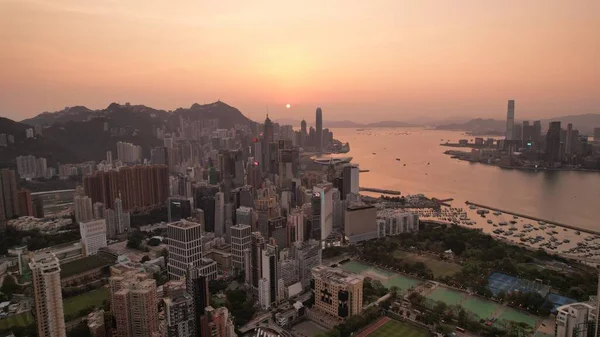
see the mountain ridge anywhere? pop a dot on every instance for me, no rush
(78, 134)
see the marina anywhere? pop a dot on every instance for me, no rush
(535, 218)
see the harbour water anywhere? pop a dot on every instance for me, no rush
(567, 197)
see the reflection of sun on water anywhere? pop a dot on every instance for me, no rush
(288, 105)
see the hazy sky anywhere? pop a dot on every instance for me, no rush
(360, 60)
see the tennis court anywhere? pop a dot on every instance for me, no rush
(498, 282)
(481, 308)
(510, 314)
(557, 300)
(447, 296)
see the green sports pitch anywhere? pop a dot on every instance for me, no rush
(399, 329)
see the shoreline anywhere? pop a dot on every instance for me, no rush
(529, 217)
(518, 168)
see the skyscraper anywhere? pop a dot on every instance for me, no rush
(135, 306)
(510, 120)
(553, 143)
(536, 131)
(303, 133)
(83, 209)
(25, 203)
(278, 231)
(137, 186)
(257, 242)
(319, 130)
(350, 176)
(47, 293)
(185, 247)
(270, 276)
(179, 313)
(308, 255)
(178, 209)
(240, 241)
(569, 140)
(8, 190)
(197, 287)
(324, 193)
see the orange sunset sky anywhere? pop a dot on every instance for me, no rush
(359, 60)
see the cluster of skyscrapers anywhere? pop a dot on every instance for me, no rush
(557, 146)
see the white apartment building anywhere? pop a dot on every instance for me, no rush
(93, 236)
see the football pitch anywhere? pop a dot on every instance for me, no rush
(398, 329)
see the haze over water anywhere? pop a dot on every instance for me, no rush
(567, 197)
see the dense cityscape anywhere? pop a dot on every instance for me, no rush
(525, 147)
(299, 169)
(252, 231)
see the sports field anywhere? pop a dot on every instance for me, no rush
(513, 315)
(387, 278)
(447, 296)
(398, 329)
(73, 305)
(23, 319)
(438, 267)
(482, 309)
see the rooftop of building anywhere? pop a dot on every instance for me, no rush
(579, 306)
(85, 264)
(337, 275)
(44, 258)
(184, 224)
(392, 212)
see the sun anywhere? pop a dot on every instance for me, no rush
(288, 105)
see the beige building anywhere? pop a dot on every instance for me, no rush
(360, 223)
(47, 293)
(134, 304)
(337, 292)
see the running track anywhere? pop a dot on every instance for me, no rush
(374, 327)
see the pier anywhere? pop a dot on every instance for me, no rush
(584, 230)
(364, 171)
(443, 202)
(379, 190)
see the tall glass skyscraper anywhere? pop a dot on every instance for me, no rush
(319, 133)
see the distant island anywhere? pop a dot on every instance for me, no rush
(351, 124)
